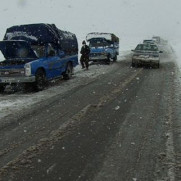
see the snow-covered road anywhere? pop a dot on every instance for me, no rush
(12, 102)
(116, 123)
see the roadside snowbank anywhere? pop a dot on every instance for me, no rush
(177, 49)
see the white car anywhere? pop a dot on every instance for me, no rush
(146, 54)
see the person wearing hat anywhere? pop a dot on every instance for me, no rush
(84, 59)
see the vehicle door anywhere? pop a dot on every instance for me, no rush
(111, 48)
(55, 61)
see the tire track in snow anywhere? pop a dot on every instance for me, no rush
(27, 155)
(170, 153)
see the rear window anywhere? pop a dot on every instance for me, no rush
(39, 50)
(147, 47)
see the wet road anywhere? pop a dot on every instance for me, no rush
(120, 126)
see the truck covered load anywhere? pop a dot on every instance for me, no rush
(38, 34)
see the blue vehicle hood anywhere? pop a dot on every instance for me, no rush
(16, 49)
(16, 53)
(14, 63)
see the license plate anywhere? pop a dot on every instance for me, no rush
(7, 80)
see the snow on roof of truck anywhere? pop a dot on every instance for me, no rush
(38, 33)
(107, 36)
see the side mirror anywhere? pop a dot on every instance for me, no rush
(160, 51)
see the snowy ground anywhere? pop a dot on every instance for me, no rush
(177, 50)
(10, 102)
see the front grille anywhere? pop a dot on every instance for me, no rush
(12, 72)
(95, 54)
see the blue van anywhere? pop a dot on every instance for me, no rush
(103, 46)
(35, 54)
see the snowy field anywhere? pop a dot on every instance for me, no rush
(176, 45)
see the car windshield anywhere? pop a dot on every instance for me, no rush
(99, 42)
(148, 41)
(146, 47)
(39, 50)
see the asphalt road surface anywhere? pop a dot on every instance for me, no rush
(124, 125)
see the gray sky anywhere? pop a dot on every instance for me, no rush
(126, 18)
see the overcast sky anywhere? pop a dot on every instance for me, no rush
(128, 19)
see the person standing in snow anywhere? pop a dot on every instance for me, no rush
(84, 59)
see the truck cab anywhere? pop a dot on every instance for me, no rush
(103, 46)
(35, 54)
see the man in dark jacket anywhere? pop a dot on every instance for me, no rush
(84, 59)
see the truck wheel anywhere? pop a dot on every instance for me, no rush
(69, 71)
(115, 58)
(2, 88)
(133, 64)
(40, 82)
(158, 66)
(108, 61)
(136, 65)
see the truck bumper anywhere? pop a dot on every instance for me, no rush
(10, 80)
(145, 62)
(97, 58)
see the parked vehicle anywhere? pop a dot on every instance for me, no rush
(146, 54)
(35, 54)
(103, 46)
(157, 39)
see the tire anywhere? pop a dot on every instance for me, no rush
(40, 82)
(158, 66)
(115, 58)
(15, 87)
(136, 65)
(69, 71)
(133, 64)
(2, 88)
(108, 60)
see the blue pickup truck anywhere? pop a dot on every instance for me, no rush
(103, 46)
(35, 54)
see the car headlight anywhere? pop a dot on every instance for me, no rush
(27, 69)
